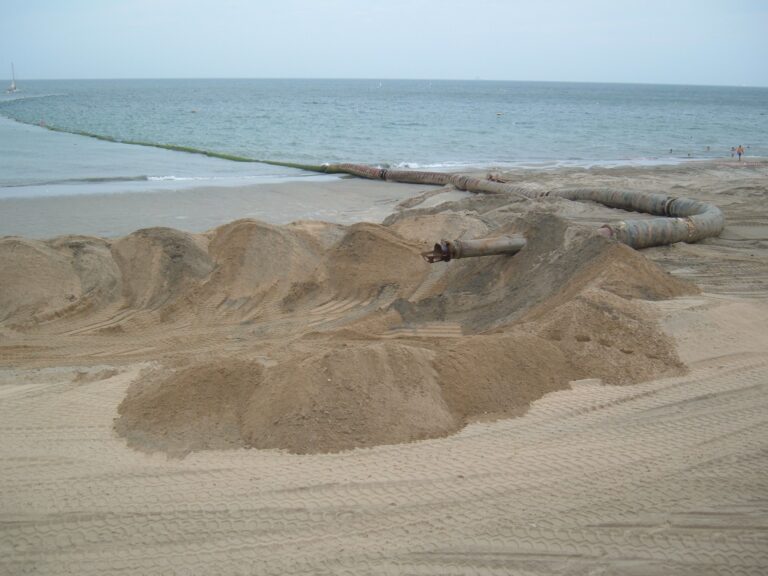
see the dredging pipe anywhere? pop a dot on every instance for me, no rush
(447, 250)
(684, 219)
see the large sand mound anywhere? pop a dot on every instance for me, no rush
(253, 259)
(44, 280)
(347, 338)
(557, 263)
(159, 264)
(563, 309)
(346, 395)
(370, 258)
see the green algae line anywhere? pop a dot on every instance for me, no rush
(186, 149)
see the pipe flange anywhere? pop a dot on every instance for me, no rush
(668, 205)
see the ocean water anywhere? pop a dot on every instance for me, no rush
(44, 149)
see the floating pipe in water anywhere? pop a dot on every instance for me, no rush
(445, 250)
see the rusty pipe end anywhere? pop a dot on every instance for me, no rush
(440, 253)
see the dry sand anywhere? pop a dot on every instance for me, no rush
(578, 408)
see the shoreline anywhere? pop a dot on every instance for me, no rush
(340, 200)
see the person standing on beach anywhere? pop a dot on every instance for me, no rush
(733, 151)
(740, 151)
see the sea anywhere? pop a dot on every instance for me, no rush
(60, 137)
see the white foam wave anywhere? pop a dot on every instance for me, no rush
(177, 178)
(18, 98)
(542, 164)
(435, 165)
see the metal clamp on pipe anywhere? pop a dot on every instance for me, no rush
(446, 250)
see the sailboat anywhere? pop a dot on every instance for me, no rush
(12, 88)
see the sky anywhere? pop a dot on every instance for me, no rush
(645, 41)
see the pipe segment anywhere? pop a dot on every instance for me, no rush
(683, 219)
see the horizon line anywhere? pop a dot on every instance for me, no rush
(381, 79)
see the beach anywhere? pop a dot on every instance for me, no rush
(235, 380)
(201, 208)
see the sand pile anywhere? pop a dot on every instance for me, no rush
(44, 280)
(425, 229)
(558, 262)
(359, 332)
(253, 260)
(565, 308)
(199, 407)
(237, 272)
(370, 258)
(157, 265)
(346, 395)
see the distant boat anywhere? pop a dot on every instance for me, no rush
(12, 88)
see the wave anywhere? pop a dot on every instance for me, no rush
(440, 165)
(83, 180)
(542, 163)
(111, 179)
(238, 177)
(180, 178)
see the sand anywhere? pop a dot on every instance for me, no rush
(342, 200)
(314, 398)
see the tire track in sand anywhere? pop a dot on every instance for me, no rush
(595, 478)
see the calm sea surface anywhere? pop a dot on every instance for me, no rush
(436, 124)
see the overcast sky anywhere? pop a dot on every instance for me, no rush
(649, 41)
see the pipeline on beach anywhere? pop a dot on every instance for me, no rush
(682, 219)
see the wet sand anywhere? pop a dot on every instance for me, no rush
(340, 200)
(665, 475)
